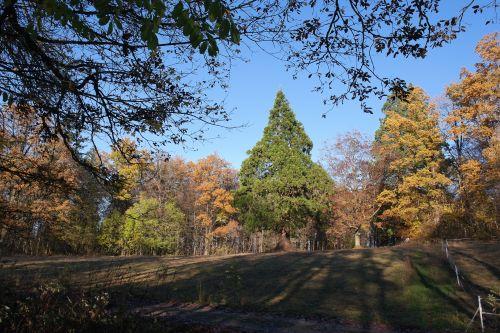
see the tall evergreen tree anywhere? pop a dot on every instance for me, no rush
(281, 188)
(409, 142)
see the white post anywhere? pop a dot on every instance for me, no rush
(480, 313)
(458, 278)
(471, 321)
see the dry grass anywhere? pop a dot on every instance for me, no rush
(399, 287)
(480, 263)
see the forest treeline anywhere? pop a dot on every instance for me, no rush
(432, 170)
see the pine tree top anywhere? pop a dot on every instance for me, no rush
(284, 128)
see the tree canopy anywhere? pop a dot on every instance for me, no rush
(108, 68)
(350, 162)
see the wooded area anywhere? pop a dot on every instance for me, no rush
(430, 172)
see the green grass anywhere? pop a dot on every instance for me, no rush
(400, 287)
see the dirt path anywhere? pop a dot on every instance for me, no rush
(238, 321)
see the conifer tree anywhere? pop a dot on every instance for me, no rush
(281, 188)
(410, 143)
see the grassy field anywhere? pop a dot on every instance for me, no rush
(396, 288)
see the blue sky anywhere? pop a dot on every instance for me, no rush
(253, 85)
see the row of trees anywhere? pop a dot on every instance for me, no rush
(433, 168)
(431, 171)
(174, 207)
(158, 205)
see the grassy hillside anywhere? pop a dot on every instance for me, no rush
(399, 287)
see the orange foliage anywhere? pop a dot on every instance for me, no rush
(472, 128)
(39, 179)
(214, 182)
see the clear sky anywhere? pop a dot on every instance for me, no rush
(253, 86)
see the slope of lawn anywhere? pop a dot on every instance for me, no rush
(479, 263)
(399, 287)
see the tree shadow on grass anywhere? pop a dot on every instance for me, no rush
(395, 288)
(492, 269)
(372, 288)
(346, 285)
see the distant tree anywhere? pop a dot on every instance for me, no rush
(471, 127)
(110, 233)
(130, 166)
(150, 228)
(281, 188)
(214, 182)
(413, 196)
(172, 221)
(83, 228)
(170, 180)
(350, 162)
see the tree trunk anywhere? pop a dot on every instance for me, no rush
(284, 243)
(262, 240)
(206, 247)
(357, 242)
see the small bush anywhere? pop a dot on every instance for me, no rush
(52, 308)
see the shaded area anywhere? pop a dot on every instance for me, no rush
(240, 321)
(479, 263)
(398, 288)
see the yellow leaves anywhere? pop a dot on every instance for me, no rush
(471, 168)
(223, 201)
(492, 156)
(212, 177)
(229, 230)
(410, 143)
(488, 48)
(415, 193)
(476, 97)
(387, 197)
(473, 122)
(131, 164)
(204, 219)
(471, 176)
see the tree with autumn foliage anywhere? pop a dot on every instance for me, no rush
(214, 183)
(49, 203)
(349, 161)
(471, 127)
(281, 188)
(413, 196)
(130, 165)
(170, 180)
